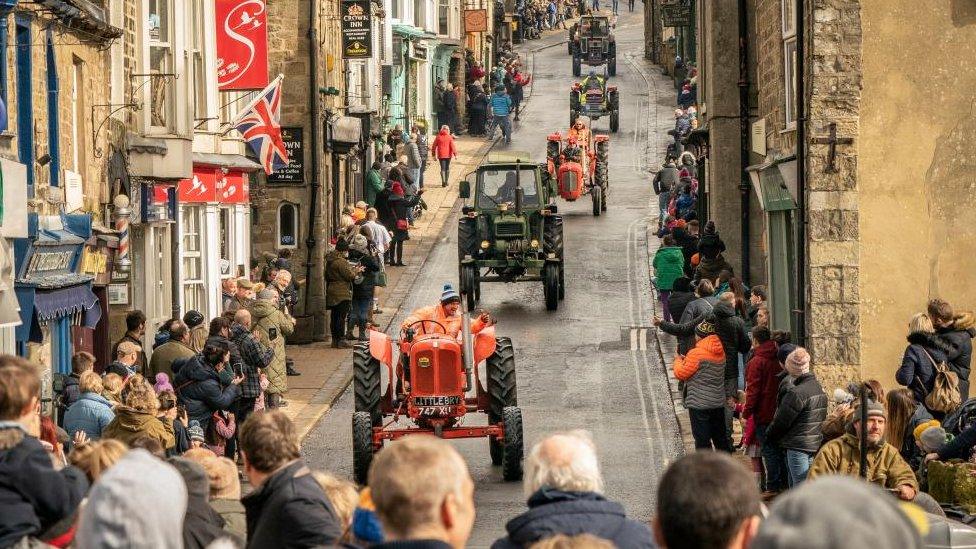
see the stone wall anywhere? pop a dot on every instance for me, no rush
(834, 251)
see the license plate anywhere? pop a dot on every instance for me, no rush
(435, 411)
(437, 400)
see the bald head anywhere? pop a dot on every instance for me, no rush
(243, 317)
(563, 461)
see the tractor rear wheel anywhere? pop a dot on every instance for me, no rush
(550, 285)
(512, 458)
(612, 63)
(577, 65)
(614, 121)
(467, 237)
(562, 280)
(502, 389)
(596, 191)
(470, 285)
(362, 446)
(366, 382)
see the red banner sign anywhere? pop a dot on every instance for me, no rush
(242, 44)
(213, 185)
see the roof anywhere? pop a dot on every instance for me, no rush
(85, 16)
(509, 157)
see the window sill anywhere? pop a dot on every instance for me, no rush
(790, 128)
(7, 136)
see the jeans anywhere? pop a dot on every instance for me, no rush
(615, 2)
(445, 170)
(797, 464)
(359, 314)
(596, 5)
(337, 320)
(420, 176)
(708, 429)
(742, 373)
(774, 461)
(505, 124)
(665, 297)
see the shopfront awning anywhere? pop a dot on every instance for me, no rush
(770, 185)
(39, 306)
(410, 31)
(229, 161)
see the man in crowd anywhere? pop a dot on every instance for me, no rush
(126, 359)
(695, 312)
(135, 328)
(271, 327)
(228, 289)
(958, 330)
(423, 494)
(176, 347)
(706, 500)
(287, 508)
(255, 358)
(564, 488)
(447, 314)
(886, 467)
(81, 362)
(501, 107)
(242, 297)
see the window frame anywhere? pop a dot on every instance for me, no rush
(789, 48)
(195, 287)
(444, 17)
(297, 225)
(168, 46)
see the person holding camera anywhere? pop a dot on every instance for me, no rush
(271, 327)
(197, 384)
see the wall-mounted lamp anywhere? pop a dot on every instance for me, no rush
(43, 160)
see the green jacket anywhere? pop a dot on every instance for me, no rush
(163, 357)
(374, 184)
(668, 266)
(338, 279)
(842, 456)
(271, 326)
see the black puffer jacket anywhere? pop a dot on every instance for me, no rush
(198, 388)
(799, 415)
(556, 512)
(731, 329)
(710, 245)
(960, 336)
(917, 371)
(678, 302)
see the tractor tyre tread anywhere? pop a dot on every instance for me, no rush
(514, 446)
(502, 389)
(367, 381)
(552, 235)
(467, 237)
(362, 446)
(550, 285)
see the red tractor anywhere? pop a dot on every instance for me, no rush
(580, 168)
(440, 371)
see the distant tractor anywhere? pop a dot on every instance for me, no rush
(580, 167)
(509, 230)
(594, 99)
(440, 373)
(592, 43)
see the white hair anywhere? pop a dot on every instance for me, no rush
(563, 461)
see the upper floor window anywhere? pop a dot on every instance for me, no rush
(197, 64)
(789, 60)
(160, 30)
(443, 16)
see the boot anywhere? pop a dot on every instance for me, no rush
(349, 333)
(290, 368)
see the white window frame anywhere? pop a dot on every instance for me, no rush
(788, 11)
(445, 7)
(192, 227)
(167, 43)
(298, 231)
(77, 113)
(196, 55)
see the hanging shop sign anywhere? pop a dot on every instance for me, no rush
(676, 15)
(357, 30)
(214, 185)
(475, 20)
(242, 44)
(294, 172)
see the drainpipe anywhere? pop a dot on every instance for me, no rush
(800, 232)
(314, 188)
(744, 136)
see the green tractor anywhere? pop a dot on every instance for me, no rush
(509, 230)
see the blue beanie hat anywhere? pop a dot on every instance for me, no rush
(784, 351)
(449, 293)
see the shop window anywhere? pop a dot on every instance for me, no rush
(287, 225)
(419, 17)
(395, 9)
(194, 289)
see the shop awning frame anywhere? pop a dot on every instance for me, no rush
(40, 306)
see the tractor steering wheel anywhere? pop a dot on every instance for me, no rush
(423, 329)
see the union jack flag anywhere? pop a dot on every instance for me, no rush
(258, 124)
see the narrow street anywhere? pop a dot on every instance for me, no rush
(594, 363)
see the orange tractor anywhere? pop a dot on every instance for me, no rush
(580, 166)
(436, 387)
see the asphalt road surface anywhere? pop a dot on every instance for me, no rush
(594, 363)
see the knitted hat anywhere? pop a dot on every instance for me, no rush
(704, 329)
(366, 525)
(784, 351)
(266, 294)
(874, 409)
(195, 431)
(921, 427)
(162, 383)
(933, 439)
(449, 294)
(193, 319)
(798, 362)
(359, 243)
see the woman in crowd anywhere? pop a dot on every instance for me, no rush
(137, 418)
(95, 457)
(925, 350)
(198, 384)
(904, 415)
(92, 412)
(668, 266)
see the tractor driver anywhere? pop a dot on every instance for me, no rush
(572, 150)
(593, 81)
(448, 314)
(580, 133)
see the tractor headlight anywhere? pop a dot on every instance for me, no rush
(503, 207)
(485, 244)
(534, 243)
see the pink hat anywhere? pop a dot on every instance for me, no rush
(162, 383)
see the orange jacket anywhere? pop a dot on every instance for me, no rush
(582, 136)
(436, 313)
(708, 349)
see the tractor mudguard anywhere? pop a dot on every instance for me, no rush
(601, 138)
(555, 136)
(484, 344)
(381, 347)
(468, 260)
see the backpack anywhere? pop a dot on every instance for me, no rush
(944, 396)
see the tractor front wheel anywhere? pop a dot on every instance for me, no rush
(550, 285)
(614, 121)
(612, 65)
(362, 446)
(562, 280)
(513, 447)
(467, 237)
(366, 383)
(596, 191)
(470, 285)
(502, 390)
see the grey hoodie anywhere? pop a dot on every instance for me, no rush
(116, 512)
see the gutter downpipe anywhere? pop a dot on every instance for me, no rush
(745, 186)
(313, 97)
(801, 231)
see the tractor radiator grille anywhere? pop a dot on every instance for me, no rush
(594, 99)
(509, 230)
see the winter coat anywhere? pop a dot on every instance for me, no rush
(374, 184)
(554, 512)
(668, 265)
(709, 269)
(702, 370)
(501, 104)
(443, 145)
(198, 388)
(234, 362)
(710, 246)
(684, 329)
(678, 302)
(843, 456)
(910, 451)
(271, 327)
(413, 155)
(917, 371)
(338, 278)
(232, 511)
(961, 335)
(289, 510)
(130, 425)
(689, 246)
(665, 180)
(366, 288)
(960, 447)
(731, 329)
(400, 206)
(762, 382)
(91, 413)
(423, 146)
(799, 415)
(254, 357)
(164, 356)
(71, 391)
(33, 495)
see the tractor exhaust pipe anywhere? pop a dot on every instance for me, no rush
(467, 349)
(518, 187)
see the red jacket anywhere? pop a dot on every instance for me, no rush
(762, 384)
(443, 145)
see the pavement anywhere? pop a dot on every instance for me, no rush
(596, 363)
